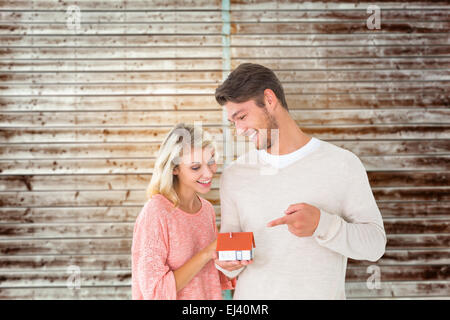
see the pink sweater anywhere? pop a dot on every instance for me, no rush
(164, 239)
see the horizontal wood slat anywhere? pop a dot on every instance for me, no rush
(209, 117)
(135, 150)
(124, 28)
(436, 290)
(84, 293)
(161, 118)
(100, 17)
(113, 5)
(119, 65)
(123, 277)
(120, 262)
(346, 63)
(168, 64)
(215, 52)
(123, 245)
(333, 5)
(398, 87)
(107, 135)
(342, 27)
(96, 214)
(180, 102)
(411, 290)
(116, 230)
(401, 289)
(145, 166)
(201, 76)
(120, 5)
(143, 40)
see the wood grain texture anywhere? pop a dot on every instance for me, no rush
(83, 113)
(145, 150)
(88, 278)
(112, 245)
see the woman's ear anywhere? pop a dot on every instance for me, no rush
(176, 171)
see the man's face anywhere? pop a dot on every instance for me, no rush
(252, 121)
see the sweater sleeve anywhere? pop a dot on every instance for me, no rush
(359, 234)
(229, 219)
(155, 279)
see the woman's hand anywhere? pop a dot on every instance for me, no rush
(211, 249)
(232, 265)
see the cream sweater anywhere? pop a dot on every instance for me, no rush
(253, 192)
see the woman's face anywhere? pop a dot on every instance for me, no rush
(196, 169)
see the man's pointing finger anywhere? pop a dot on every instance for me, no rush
(277, 222)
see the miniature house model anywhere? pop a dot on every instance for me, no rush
(235, 246)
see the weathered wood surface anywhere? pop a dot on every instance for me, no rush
(111, 214)
(211, 117)
(404, 211)
(377, 179)
(145, 150)
(215, 16)
(384, 87)
(83, 113)
(116, 245)
(55, 278)
(147, 64)
(356, 290)
(118, 262)
(143, 40)
(138, 134)
(202, 76)
(141, 166)
(117, 230)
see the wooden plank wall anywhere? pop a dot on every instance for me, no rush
(83, 113)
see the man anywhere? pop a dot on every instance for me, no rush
(312, 213)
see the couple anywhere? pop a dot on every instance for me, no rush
(312, 213)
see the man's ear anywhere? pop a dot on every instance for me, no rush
(270, 99)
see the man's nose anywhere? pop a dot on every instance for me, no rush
(240, 130)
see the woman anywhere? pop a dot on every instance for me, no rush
(174, 235)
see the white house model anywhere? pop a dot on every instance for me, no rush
(235, 246)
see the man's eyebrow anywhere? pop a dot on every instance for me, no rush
(235, 114)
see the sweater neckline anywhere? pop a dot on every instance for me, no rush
(315, 145)
(177, 209)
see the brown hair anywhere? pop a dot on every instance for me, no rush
(248, 82)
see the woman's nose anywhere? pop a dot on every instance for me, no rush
(207, 173)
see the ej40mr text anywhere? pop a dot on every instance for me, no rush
(231, 309)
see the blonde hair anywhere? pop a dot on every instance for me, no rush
(169, 155)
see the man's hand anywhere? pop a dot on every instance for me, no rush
(302, 219)
(231, 265)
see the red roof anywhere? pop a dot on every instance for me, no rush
(238, 241)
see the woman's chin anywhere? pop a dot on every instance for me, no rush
(203, 190)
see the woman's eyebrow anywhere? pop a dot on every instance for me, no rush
(199, 162)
